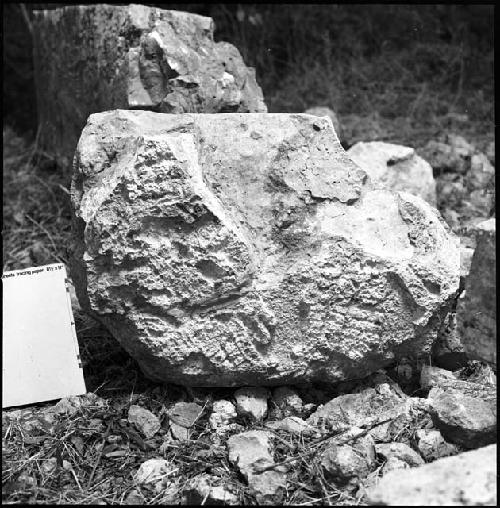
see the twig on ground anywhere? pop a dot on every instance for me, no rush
(103, 442)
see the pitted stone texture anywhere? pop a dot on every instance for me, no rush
(477, 309)
(467, 479)
(395, 167)
(247, 249)
(329, 113)
(99, 57)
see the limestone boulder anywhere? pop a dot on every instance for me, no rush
(248, 249)
(395, 167)
(97, 57)
(476, 309)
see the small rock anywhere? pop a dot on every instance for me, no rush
(293, 425)
(223, 413)
(134, 497)
(252, 402)
(78, 443)
(113, 439)
(250, 451)
(287, 400)
(400, 451)
(307, 409)
(68, 406)
(96, 424)
(358, 409)
(185, 414)
(450, 154)
(152, 471)
(179, 432)
(201, 490)
(144, 421)
(71, 405)
(465, 479)
(432, 446)
(48, 466)
(393, 463)
(479, 390)
(434, 376)
(27, 480)
(349, 462)
(462, 419)
(415, 409)
(395, 167)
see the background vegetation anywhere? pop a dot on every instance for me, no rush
(423, 63)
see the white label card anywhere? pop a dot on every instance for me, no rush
(40, 359)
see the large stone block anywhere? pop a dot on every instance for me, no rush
(98, 57)
(477, 307)
(247, 249)
(396, 167)
(467, 479)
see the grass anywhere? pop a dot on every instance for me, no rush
(423, 64)
(36, 210)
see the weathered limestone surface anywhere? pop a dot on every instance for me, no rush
(247, 249)
(99, 57)
(477, 309)
(467, 479)
(396, 167)
(323, 111)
